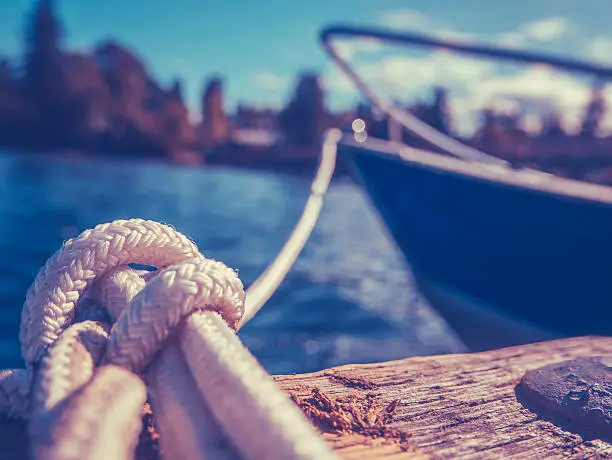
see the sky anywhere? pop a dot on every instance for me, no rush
(261, 45)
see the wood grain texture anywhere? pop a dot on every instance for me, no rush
(452, 406)
(455, 406)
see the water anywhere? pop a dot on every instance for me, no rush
(349, 299)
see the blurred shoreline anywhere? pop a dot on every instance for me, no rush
(106, 102)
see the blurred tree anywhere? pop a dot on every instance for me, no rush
(594, 112)
(12, 113)
(439, 116)
(44, 77)
(214, 129)
(176, 90)
(364, 111)
(551, 126)
(488, 129)
(305, 119)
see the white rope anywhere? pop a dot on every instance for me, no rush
(211, 398)
(189, 430)
(267, 283)
(14, 393)
(208, 362)
(100, 420)
(237, 386)
(187, 427)
(175, 293)
(69, 364)
(50, 301)
(260, 420)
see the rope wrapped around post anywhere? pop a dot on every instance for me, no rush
(96, 334)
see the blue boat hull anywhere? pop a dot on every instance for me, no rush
(489, 252)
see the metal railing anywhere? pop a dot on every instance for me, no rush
(409, 121)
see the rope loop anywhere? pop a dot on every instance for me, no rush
(51, 300)
(90, 276)
(177, 291)
(145, 313)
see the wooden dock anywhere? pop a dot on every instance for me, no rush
(452, 406)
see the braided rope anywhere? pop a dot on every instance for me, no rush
(187, 427)
(14, 393)
(173, 294)
(101, 420)
(70, 412)
(241, 386)
(50, 301)
(69, 364)
(116, 289)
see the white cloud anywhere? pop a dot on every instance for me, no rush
(473, 85)
(540, 30)
(270, 81)
(404, 19)
(336, 81)
(542, 86)
(600, 49)
(536, 89)
(546, 29)
(350, 48)
(455, 35)
(400, 74)
(513, 39)
(476, 84)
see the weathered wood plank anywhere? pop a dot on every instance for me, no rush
(453, 406)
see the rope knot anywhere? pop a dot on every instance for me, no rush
(98, 258)
(193, 285)
(74, 405)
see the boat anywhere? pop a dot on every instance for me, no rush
(506, 255)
